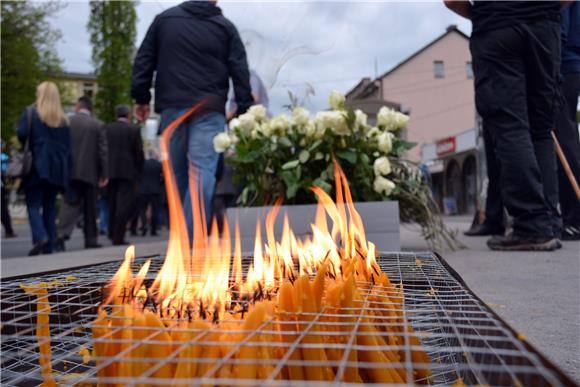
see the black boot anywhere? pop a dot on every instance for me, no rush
(38, 248)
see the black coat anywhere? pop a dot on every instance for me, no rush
(89, 148)
(194, 50)
(151, 178)
(125, 150)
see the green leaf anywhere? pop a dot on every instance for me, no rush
(314, 145)
(304, 156)
(291, 164)
(364, 158)
(291, 191)
(348, 155)
(285, 141)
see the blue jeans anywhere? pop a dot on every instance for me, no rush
(40, 201)
(192, 144)
(103, 215)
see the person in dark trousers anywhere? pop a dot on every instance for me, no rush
(89, 150)
(150, 188)
(515, 49)
(6, 219)
(46, 127)
(494, 223)
(567, 122)
(193, 51)
(125, 166)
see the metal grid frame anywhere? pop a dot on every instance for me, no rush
(464, 339)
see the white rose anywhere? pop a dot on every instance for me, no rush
(234, 124)
(385, 142)
(336, 100)
(401, 120)
(386, 118)
(310, 129)
(382, 166)
(333, 120)
(258, 111)
(383, 185)
(266, 129)
(300, 116)
(280, 124)
(360, 118)
(247, 123)
(221, 142)
(373, 132)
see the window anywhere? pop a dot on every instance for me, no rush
(438, 69)
(89, 89)
(469, 70)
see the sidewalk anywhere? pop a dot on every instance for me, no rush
(537, 293)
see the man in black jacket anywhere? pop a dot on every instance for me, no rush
(89, 171)
(125, 166)
(150, 189)
(194, 51)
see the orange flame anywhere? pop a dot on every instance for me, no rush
(196, 274)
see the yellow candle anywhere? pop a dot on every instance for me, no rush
(158, 350)
(286, 304)
(42, 331)
(304, 293)
(253, 321)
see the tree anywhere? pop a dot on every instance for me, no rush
(112, 29)
(28, 55)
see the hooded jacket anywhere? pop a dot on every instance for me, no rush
(194, 51)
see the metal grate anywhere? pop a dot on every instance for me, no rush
(465, 340)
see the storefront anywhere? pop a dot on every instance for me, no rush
(452, 163)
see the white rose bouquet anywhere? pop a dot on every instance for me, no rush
(283, 156)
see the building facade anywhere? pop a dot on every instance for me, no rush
(75, 85)
(435, 87)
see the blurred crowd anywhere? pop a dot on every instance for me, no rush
(98, 170)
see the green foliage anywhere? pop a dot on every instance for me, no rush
(112, 27)
(28, 55)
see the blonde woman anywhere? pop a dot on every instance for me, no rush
(49, 140)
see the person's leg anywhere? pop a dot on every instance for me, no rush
(126, 195)
(49, 193)
(6, 220)
(34, 207)
(112, 187)
(103, 215)
(567, 133)
(143, 205)
(493, 203)
(542, 66)
(70, 210)
(154, 200)
(90, 214)
(501, 99)
(204, 159)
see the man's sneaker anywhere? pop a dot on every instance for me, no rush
(570, 233)
(517, 243)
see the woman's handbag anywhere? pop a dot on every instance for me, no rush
(21, 163)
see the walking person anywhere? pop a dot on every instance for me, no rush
(194, 51)
(516, 58)
(150, 188)
(5, 198)
(567, 122)
(46, 128)
(125, 165)
(89, 172)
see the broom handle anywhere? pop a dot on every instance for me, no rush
(566, 166)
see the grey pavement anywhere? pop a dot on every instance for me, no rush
(538, 294)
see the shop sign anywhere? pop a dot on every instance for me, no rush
(446, 146)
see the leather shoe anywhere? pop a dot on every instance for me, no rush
(484, 230)
(38, 248)
(121, 243)
(92, 246)
(59, 244)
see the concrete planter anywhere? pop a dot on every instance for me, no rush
(381, 220)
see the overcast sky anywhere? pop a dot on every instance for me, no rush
(298, 46)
